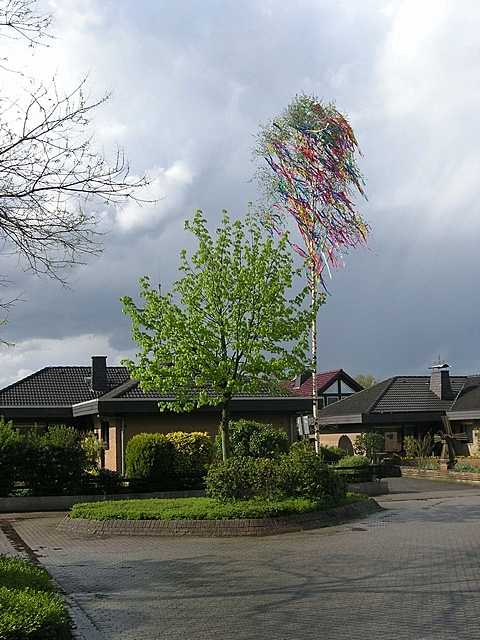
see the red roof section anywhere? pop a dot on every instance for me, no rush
(324, 379)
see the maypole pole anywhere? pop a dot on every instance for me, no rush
(311, 174)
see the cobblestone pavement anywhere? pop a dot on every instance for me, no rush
(411, 572)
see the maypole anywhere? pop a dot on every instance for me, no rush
(311, 175)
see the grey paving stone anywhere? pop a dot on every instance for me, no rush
(409, 573)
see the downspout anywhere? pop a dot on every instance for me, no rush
(122, 446)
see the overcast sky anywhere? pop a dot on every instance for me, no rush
(191, 81)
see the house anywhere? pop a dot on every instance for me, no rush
(407, 405)
(105, 399)
(332, 386)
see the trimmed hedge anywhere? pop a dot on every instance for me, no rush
(53, 463)
(160, 462)
(29, 608)
(250, 439)
(300, 473)
(10, 442)
(361, 471)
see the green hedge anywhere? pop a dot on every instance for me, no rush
(48, 463)
(10, 455)
(361, 471)
(254, 440)
(53, 462)
(29, 608)
(300, 473)
(158, 462)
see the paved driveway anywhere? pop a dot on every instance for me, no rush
(411, 572)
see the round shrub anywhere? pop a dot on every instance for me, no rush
(359, 471)
(254, 439)
(150, 462)
(193, 454)
(10, 453)
(369, 444)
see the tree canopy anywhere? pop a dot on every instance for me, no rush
(227, 326)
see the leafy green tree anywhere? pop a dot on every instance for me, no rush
(366, 380)
(228, 325)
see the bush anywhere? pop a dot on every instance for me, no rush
(53, 463)
(233, 479)
(331, 455)
(369, 444)
(300, 473)
(361, 470)
(193, 454)
(303, 473)
(466, 467)
(28, 606)
(103, 481)
(255, 440)
(150, 462)
(92, 448)
(10, 442)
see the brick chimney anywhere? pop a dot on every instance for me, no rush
(99, 373)
(440, 381)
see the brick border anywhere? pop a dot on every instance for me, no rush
(220, 528)
(437, 474)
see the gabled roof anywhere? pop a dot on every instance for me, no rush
(57, 387)
(396, 395)
(467, 403)
(64, 387)
(324, 379)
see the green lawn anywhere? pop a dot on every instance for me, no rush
(199, 508)
(29, 606)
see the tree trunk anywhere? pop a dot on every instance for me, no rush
(314, 293)
(224, 427)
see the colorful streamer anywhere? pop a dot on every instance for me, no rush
(312, 175)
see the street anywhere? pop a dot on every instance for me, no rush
(412, 572)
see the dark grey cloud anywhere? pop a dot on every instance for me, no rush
(192, 82)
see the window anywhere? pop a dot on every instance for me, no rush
(331, 399)
(105, 434)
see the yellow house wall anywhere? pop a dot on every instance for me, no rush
(166, 423)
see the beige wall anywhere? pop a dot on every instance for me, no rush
(332, 439)
(166, 422)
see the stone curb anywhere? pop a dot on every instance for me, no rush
(436, 474)
(220, 528)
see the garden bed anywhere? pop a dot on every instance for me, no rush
(207, 517)
(438, 474)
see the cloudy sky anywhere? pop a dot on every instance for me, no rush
(191, 81)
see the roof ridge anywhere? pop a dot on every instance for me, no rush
(119, 389)
(382, 393)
